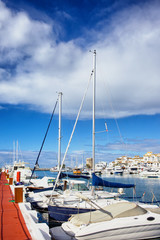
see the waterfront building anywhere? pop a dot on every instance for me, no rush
(152, 160)
(149, 160)
(89, 163)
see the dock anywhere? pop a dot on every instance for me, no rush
(17, 220)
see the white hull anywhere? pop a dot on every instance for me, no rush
(150, 174)
(131, 233)
(105, 231)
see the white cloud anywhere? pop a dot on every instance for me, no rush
(130, 55)
(36, 66)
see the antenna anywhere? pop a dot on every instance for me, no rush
(106, 129)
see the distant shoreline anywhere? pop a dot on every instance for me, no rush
(41, 169)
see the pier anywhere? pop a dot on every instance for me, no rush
(12, 222)
(17, 220)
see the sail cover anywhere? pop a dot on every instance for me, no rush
(97, 181)
(63, 175)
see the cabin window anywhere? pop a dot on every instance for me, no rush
(150, 218)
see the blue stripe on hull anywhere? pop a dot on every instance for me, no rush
(62, 214)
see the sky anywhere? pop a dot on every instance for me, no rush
(46, 47)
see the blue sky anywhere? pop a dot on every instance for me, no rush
(44, 48)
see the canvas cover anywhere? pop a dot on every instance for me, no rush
(117, 210)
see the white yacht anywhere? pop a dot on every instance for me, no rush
(150, 173)
(99, 167)
(123, 220)
(20, 169)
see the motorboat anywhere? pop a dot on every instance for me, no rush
(20, 172)
(123, 220)
(117, 170)
(100, 166)
(38, 185)
(54, 169)
(150, 173)
(77, 171)
(133, 170)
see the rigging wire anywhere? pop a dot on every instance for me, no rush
(72, 133)
(108, 94)
(36, 164)
(113, 111)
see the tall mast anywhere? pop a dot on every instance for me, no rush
(14, 152)
(59, 130)
(17, 152)
(94, 98)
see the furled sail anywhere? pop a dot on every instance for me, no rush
(97, 181)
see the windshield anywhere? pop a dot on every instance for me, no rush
(80, 187)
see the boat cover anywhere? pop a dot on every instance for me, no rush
(63, 175)
(115, 210)
(97, 181)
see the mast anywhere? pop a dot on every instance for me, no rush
(17, 152)
(59, 130)
(94, 98)
(14, 152)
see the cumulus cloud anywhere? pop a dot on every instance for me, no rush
(34, 65)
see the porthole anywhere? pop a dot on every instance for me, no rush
(150, 218)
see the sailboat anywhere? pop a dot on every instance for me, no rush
(117, 220)
(60, 209)
(19, 171)
(40, 190)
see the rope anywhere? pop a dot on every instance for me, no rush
(155, 198)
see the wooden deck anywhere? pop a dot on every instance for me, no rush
(11, 220)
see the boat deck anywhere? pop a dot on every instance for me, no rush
(11, 220)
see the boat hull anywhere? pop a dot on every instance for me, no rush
(39, 206)
(137, 227)
(132, 233)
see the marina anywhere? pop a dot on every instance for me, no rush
(146, 191)
(86, 203)
(79, 118)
